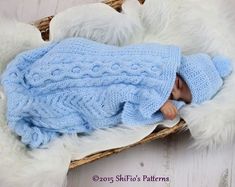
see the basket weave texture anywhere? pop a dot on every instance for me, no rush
(43, 26)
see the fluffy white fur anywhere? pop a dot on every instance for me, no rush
(15, 38)
(104, 25)
(195, 26)
(18, 165)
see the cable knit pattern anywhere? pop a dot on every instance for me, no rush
(77, 85)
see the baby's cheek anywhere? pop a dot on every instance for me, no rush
(176, 93)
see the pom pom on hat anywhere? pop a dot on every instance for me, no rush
(223, 65)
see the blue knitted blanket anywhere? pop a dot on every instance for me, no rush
(78, 85)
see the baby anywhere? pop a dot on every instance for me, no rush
(180, 92)
(208, 72)
(77, 86)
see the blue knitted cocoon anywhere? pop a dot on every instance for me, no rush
(77, 85)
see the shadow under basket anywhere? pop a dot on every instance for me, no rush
(159, 132)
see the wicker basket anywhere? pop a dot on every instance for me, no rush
(43, 26)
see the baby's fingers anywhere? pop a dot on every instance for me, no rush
(170, 114)
(175, 110)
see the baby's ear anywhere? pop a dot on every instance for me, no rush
(223, 65)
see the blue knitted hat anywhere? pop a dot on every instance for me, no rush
(204, 75)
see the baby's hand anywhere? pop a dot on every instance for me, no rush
(169, 110)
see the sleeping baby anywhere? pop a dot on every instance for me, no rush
(77, 85)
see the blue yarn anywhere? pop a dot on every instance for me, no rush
(204, 75)
(78, 85)
(223, 65)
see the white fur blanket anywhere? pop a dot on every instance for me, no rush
(195, 25)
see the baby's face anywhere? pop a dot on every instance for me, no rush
(180, 91)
